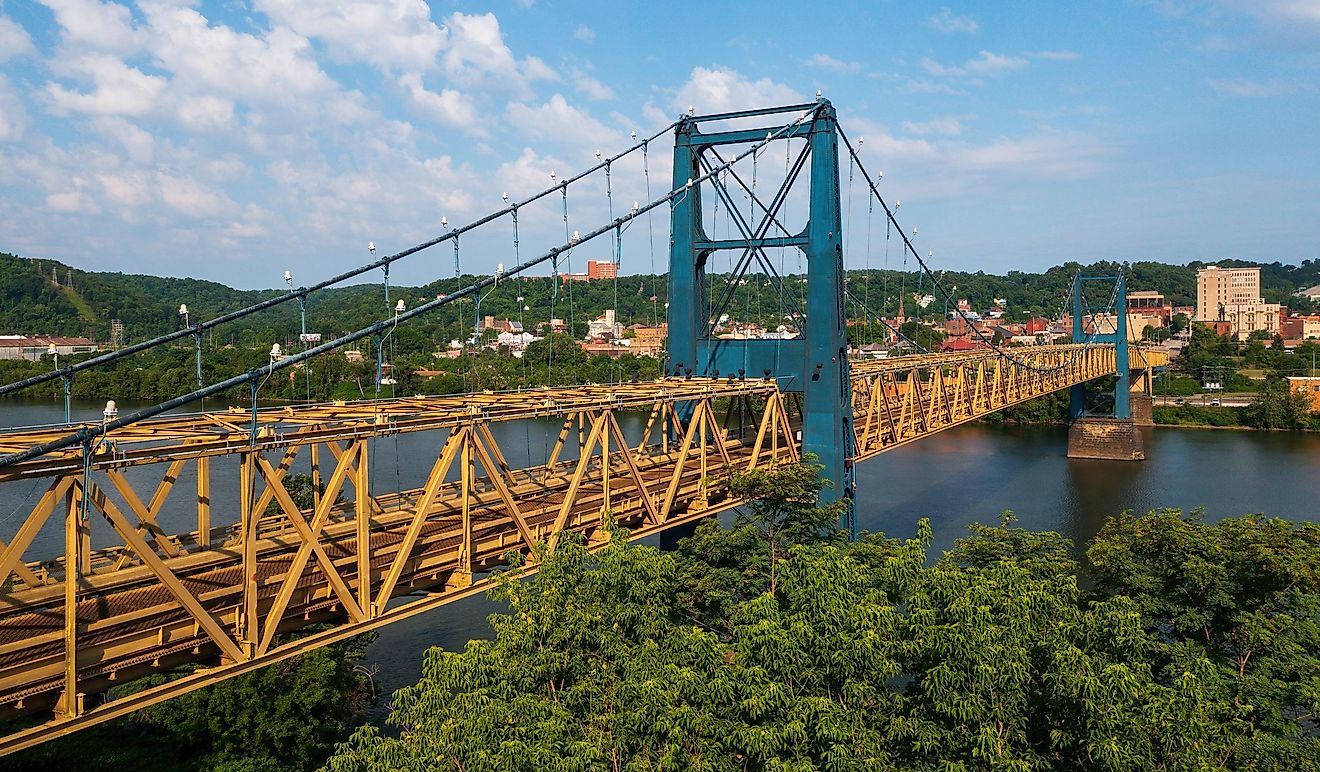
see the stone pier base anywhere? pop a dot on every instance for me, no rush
(1143, 409)
(1106, 438)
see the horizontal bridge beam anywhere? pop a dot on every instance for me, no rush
(777, 241)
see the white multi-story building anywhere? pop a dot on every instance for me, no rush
(1233, 295)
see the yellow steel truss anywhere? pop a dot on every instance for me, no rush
(223, 595)
(896, 401)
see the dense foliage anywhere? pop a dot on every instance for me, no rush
(775, 645)
(282, 718)
(84, 302)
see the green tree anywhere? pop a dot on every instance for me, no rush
(1243, 594)
(1276, 406)
(861, 656)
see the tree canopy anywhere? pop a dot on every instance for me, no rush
(774, 644)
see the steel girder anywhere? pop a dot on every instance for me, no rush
(225, 593)
(904, 399)
(255, 566)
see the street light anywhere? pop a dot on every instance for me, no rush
(54, 351)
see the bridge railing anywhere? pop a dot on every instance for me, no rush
(233, 564)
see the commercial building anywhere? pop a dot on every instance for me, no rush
(1233, 295)
(1309, 386)
(1149, 303)
(596, 269)
(34, 347)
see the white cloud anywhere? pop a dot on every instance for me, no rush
(277, 68)
(205, 112)
(557, 118)
(948, 126)
(478, 56)
(13, 118)
(390, 34)
(590, 87)
(14, 40)
(585, 34)
(94, 25)
(945, 21)
(1242, 87)
(827, 62)
(138, 144)
(192, 198)
(985, 64)
(1051, 155)
(946, 166)
(449, 106)
(118, 89)
(720, 89)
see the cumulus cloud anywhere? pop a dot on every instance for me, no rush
(14, 40)
(117, 89)
(448, 106)
(478, 56)
(557, 118)
(390, 34)
(945, 21)
(590, 87)
(585, 34)
(720, 89)
(92, 25)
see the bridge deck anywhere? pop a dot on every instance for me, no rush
(226, 593)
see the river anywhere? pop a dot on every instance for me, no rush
(964, 475)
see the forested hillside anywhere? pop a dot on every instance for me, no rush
(84, 302)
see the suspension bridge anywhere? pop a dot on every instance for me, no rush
(235, 583)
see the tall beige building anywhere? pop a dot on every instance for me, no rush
(1233, 295)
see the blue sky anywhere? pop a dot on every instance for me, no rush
(232, 140)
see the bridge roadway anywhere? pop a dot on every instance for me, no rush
(233, 592)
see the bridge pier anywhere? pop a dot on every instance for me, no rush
(1111, 439)
(1143, 409)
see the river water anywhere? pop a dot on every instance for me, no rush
(964, 475)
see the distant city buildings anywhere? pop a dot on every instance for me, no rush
(596, 269)
(1233, 295)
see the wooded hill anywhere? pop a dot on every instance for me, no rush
(49, 297)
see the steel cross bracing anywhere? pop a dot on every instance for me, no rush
(900, 400)
(256, 566)
(252, 566)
